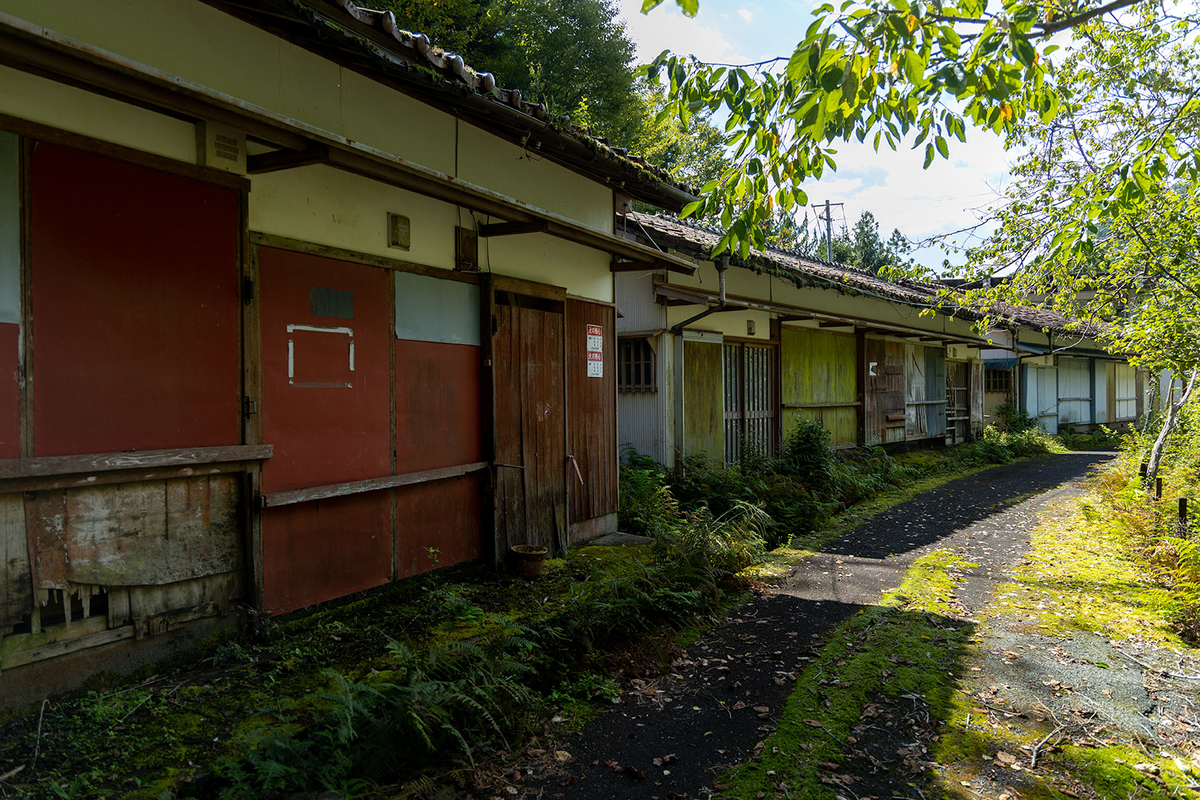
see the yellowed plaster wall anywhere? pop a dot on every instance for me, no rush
(327, 206)
(202, 44)
(331, 207)
(536, 257)
(58, 105)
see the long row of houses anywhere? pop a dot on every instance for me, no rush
(289, 296)
(735, 354)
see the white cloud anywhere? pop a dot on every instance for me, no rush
(666, 28)
(746, 14)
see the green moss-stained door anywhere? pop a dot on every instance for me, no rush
(819, 382)
(703, 404)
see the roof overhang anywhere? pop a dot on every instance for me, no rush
(688, 295)
(34, 49)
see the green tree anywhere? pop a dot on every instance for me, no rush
(1108, 198)
(1119, 257)
(882, 71)
(572, 55)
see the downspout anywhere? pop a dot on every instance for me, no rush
(721, 265)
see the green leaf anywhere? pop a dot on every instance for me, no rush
(928, 156)
(650, 5)
(689, 7)
(942, 147)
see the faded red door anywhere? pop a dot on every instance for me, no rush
(326, 328)
(529, 404)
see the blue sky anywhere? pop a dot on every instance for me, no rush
(891, 185)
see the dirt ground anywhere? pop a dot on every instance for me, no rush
(670, 737)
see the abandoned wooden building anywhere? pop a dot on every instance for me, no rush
(290, 300)
(738, 353)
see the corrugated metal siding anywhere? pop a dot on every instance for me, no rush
(819, 382)
(643, 417)
(633, 293)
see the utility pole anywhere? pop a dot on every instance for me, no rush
(828, 228)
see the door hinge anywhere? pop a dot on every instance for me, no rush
(249, 407)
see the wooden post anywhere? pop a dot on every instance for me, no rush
(1158, 488)
(1183, 511)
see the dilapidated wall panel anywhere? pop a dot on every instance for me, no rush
(703, 404)
(819, 382)
(135, 307)
(884, 392)
(10, 295)
(16, 581)
(977, 398)
(149, 533)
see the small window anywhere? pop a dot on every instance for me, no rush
(635, 365)
(998, 381)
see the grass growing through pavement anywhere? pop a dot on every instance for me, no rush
(905, 649)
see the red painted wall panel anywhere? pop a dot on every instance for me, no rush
(324, 431)
(317, 551)
(135, 307)
(443, 514)
(437, 405)
(10, 412)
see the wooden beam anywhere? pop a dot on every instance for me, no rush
(825, 323)
(278, 160)
(511, 228)
(13, 468)
(372, 485)
(621, 265)
(794, 318)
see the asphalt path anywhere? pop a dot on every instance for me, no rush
(667, 738)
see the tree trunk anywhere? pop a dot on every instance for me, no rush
(1169, 424)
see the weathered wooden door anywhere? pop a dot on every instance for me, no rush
(884, 391)
(749, 386)
(530, 420)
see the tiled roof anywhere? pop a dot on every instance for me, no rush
(372, 41)
(698, 241)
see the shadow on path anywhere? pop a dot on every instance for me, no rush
(726, 691)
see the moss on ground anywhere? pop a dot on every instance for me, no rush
(904, 647)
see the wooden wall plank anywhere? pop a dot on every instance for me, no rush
(591, 414)
(16, 579)
(819, 375)
(704, 414)
(150, 533)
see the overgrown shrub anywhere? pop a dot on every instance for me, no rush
(807, 456)
(1010, 419)
(716, 547)
(447, 698)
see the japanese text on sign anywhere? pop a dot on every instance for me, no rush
(595, 351)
